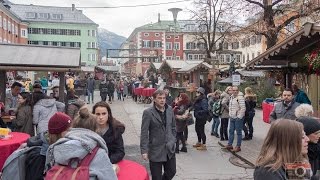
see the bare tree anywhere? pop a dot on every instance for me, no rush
(274, 15)
(215, 19)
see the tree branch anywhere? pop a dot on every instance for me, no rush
(255, 2)
(276, 2)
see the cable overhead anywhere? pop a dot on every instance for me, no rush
(131, 6)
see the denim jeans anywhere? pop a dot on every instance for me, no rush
(236, 124)
(90, 93)
(215, 124)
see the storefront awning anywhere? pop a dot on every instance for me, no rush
(109, 68)
(279, 54)
(38, 58)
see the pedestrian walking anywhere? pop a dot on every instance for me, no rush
(103, 88)
(201, 113)
(225, 99)
(237, 110)
(111, 89)
(158, 138)
(251, 102)
(285, 144)
(285, 108)
(215, 109)
(90, 88)
(181, 112)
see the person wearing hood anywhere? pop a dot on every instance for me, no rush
(111, 131)
(103, 87)
(201, 113)
(312, 129)
(43, 109)
(251, 102)
(237, 109)
(74, 103)
(58, 126)
(77, 144)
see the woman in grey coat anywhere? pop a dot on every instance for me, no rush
(77, 143)
(43, 109)
(225, 96)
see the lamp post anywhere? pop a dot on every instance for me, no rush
(175, 12)
(232, 65)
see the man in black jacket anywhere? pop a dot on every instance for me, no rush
(158, 138)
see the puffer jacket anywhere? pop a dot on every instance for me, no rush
(237, 106)
(23, 120)
(225, 97)
(282, 110)
(200, 108)
(73, 107)
(103, 87)
(43, 110)
(251, 102)
(76, 144)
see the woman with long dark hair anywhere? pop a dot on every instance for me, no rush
(111, 131)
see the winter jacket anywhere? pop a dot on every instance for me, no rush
(282, 110)
(44, 82)
(103, 88)
(23, 121)
(237, 106)
(114, 141)
(73, 107)
(36, 159)
(90, 84)
(200, 108)
(111, 87)
(76, 144)
(314, 156)
(169, 100)
(302, 98)
(225, 105)
(264, 173)
(181, 124)
(251, 102)
(43, 110)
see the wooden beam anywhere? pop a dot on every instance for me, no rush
(26, 68)
(2, 86)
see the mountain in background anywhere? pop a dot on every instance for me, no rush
(109, 40)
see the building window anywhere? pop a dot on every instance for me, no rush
(94, 57)
(157, 44)
(259, 38)
(196, 56)
(54, 43)
(235, 45)
(190, 27)
(157, 34)
(146, 34)
(168, 45)
(222, 58)
(190, 56)
(253, 40)
(168, 57)
(177, 58)
(191, 45)
(93, 45)
(43, 15)
(94, 33)
(168, 37)
(248, 57)
(13, 28)
(225, 45)
(200, 45)
(200, 56)
(89, 57)
(176, 37)
(146, 44)
(45, 43)
(89, 32)
(228, 59)
(56, 16)
(30, 15)
(238, 58)
(244, 59)
(4, 24)
(24, 33)
(252, 55)
(176, 46)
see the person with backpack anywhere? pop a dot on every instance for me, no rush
(80, 149)
(215, 109)
(28, 163)
(251, 102)
(225, 98)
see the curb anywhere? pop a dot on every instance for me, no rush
(237, 155)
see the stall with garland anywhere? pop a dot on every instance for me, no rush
(295, 60)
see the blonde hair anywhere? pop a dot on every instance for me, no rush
(303, 110)
(248, 90)
(227, 89)
(282, 144)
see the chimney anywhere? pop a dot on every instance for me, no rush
(73, 7)
(159, 18)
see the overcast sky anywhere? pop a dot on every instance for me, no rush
(120, 20)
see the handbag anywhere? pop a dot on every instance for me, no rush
(189, 119)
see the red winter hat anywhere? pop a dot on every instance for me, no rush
(58, 123)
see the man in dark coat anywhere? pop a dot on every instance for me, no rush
(158, 138)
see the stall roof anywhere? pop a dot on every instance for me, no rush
(246, 73)
(228, 80)
(38, 58)
(109, 68)
(178, 64)
(280, 52)
(191, 67)
(87, 69)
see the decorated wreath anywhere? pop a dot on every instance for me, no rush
(313, 59)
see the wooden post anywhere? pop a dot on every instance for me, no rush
(3, 86)
(61, 86)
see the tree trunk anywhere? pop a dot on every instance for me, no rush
(268, 18)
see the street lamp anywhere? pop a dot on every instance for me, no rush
(175, 12)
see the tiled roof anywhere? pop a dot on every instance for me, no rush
(68, 16)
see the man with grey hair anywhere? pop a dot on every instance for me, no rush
(158, 138)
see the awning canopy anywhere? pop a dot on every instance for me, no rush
(192, 67)
(87, 69)
(228, 80)
(258, 73)
(39, 58)
(279, 55)
(109, 68)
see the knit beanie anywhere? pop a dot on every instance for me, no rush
(310, 125)
(58, 123)
(201, 90)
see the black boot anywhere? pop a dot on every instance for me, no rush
(177, 150)
(184, 149)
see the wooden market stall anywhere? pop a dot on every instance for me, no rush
(109, 71)
(292, 59)
(16, 57)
